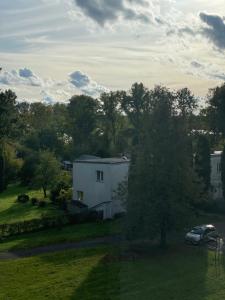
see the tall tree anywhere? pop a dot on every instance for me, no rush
(8, 117)
(161, 183)
(135, 105)
(82, 112)
(202, 160)
(111, 120)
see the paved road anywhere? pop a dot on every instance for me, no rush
(109, 240)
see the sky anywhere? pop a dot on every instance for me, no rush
(53, 49)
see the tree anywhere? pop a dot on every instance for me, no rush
(216, 109)
(8, 117)
(47, 171)
(82, 111)
(202, 161)
(111, 121)
(135, 105)
(161, 184)
(223, 171)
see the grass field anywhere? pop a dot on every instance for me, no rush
(11, 211)
(73, 233)
(182, 273)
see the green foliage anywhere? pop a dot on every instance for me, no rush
(47, 171)
(64, 197)
(162, 184)
(82, 111)
(8, 118)
(216, 109)
(202, 161)
(223, 171)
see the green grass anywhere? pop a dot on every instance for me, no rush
(90, 274)
(72, 233)
(12, 211)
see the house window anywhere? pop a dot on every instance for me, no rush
(80, 195)
(218, 167)
(100, 176)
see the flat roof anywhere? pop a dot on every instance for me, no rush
(217, 153)
(112, 160)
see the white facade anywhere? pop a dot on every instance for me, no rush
(96, 180)
(216, 181)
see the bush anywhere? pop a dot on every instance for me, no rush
(41, 203)
(64, 197)
(55, 192)
(23, 198)
(34, 201)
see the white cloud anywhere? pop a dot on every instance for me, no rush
(51, 90)
(21, 77)
(85, 84)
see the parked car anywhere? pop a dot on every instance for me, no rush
(201, 234)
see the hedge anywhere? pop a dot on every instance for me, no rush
(7, 230)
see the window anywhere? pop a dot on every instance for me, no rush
(100, 176)
(80, 195)
(218, 167)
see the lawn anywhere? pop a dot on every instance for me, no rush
(185, 273)
(72, 233)
(12, 211)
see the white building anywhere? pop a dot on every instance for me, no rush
(95, 181)
(216, 181)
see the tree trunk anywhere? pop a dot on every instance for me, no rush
(45, 192)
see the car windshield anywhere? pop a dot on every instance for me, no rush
(197, 230)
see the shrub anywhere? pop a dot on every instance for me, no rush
(41, 203)
(55, 192)
(64, 197)
(23, 198)
(34, 201)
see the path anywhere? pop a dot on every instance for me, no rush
(109, 240)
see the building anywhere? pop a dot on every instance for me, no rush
(95, 181)
(216, 180)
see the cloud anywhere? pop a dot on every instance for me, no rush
(47, 98)
(109, 11)
(85, 84)
(215, 30)
(20, 77)
(207, 70)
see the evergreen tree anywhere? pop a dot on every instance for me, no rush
(161, 183)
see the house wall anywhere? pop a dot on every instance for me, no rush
(216, 181)
(85, 180)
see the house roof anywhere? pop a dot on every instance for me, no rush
(216, 153)
(97, 160)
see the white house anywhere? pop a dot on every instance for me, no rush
(216, 181)
(95, 181)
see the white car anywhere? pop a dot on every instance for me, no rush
(200, 234)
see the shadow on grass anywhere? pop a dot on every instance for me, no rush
(174, 275)
(22, 211)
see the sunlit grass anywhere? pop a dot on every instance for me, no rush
(183, 273)
(12, 211)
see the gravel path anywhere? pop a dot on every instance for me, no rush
(109, 240)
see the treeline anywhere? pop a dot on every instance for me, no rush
(108, 126)
(167, 135)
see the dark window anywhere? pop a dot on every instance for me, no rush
(80, 195)
(100, 176)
